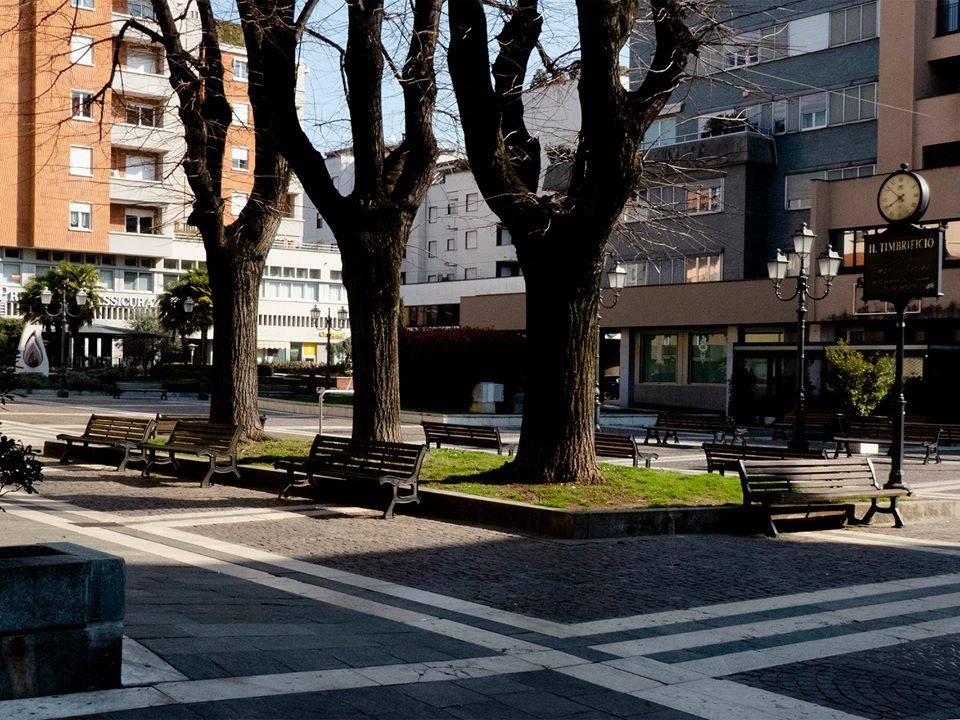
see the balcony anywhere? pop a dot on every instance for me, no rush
(141, 137)
(128, 191)
(734, 148)
(141, 244)
(149, 85)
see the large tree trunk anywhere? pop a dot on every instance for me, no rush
(556, 437)
(235, 281)
(371, 275)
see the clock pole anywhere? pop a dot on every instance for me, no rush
(895, 480)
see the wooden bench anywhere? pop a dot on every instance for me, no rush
(727, 456)
(337, 458)
(215, 441)
(165, 422)
(621, 445)
(781, 486)
(114, 431)
(879, 431)
(819, 425)
(481, 436)
(670, 424)
(127, 388)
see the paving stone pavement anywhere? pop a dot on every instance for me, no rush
(238, 607)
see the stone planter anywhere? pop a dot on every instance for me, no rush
(61, 613)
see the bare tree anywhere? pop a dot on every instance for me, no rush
(372, 223)
(560, 238)
(236, 251)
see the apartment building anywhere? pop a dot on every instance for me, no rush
(92, 175)
(795, 119)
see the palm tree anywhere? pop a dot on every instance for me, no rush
(194, 287)
(65, 278)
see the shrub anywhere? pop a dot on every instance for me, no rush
(862, 383)
(440, 366)
(19, 469)
(264, 370)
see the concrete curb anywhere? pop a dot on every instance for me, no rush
(556, 523)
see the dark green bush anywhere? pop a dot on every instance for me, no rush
(19, 468)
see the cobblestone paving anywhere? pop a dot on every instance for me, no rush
(920, 680)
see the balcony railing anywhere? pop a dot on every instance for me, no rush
(948, 16)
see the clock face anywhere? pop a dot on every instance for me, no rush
(901, 197)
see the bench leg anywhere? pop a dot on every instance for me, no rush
(205, 483)
(868, 517)
(150, 457)
(126, 458)
(895, 511)
(771, 526)
(64, 459)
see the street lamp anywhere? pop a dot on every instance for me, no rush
(63, 315)
(188, 306)
(614, 278)
(828, 265)
(316, 313)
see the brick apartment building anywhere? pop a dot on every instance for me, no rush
(98, 180)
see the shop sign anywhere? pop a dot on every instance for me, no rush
(12, 295)
(903, 263)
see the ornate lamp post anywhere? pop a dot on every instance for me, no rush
(316, 313)
(828, 265)
(188, 306)
(614, 279)
(63, 315)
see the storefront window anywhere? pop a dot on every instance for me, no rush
(708, 357)
(658, 358)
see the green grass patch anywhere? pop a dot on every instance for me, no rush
(464, 471)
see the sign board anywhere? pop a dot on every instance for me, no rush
(903, 263)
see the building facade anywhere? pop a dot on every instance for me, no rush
(795, 119)
(92, 175)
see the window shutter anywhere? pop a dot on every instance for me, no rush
(836, 109)
(793, 114)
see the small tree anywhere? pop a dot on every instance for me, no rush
(195, 286)
(862, 383)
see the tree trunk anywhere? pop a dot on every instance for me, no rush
(235, 282)
(557, 432)
(371, 275)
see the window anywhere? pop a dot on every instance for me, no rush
(336, 274)
(472, 202)
(81, 50)
(470, 273)
(813, 111)
(81, 105)
(854, 103)
(319, 221)
(853, 24)
(658, 358)
(661, 132)
(237, 201)
(240, 71)
(452, 203)
(138, 281)
(141, 9)
(503, 236)
(470, 240)
(848, 173)
(702, 269)
(451, 243)
(11, 273)
(81, 160)
(667, 198)
(240, 159)
(139, 221)
(432, 249)
(742, 50)
(705, 197)
(241, 111)
(171, 264)
(142, 115)
(82, 4)
(948, 16)
(508, 269)
(140, 167)
(778, 117)
(708, 357)
(431, 278)
(432, 213)
(141, 60)
(81, 216)
(799, 191)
